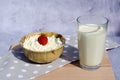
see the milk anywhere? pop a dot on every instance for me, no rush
(91, 42)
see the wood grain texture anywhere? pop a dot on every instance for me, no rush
(74, 72)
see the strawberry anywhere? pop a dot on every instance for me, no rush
(43, 40)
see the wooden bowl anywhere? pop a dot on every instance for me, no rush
(43, 56)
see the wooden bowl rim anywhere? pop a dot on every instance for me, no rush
(39, 33)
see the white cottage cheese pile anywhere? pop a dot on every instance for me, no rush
(33, 44)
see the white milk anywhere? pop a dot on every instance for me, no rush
(91, 41)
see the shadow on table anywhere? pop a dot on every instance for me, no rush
(70, 53)
(19, 54)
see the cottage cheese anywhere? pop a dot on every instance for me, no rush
(33, 44)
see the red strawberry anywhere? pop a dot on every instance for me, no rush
(43, 40)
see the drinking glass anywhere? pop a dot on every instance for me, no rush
(92, 31)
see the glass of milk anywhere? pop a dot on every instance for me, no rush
(91, 40)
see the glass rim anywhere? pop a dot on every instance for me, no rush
(93, 16)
